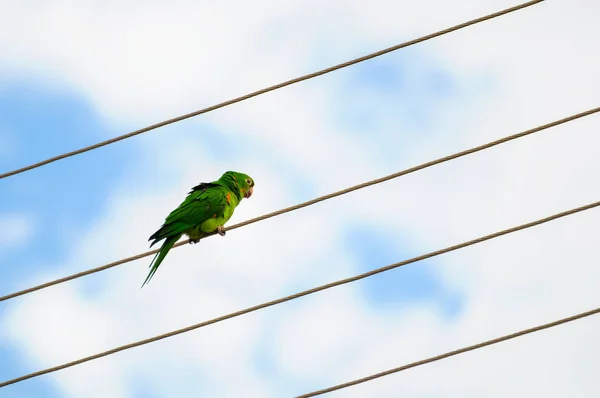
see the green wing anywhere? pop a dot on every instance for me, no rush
(203, 202)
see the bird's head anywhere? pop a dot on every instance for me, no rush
(240, 181)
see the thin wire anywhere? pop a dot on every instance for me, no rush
(452, 353)
(300, 294)
(271, 88)
(313, 201)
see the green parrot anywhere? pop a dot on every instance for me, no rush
(206, 209)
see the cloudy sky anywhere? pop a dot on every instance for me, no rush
(76, 72)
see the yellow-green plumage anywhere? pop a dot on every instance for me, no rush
(205, 210)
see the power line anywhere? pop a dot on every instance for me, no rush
(314, 201)
(300, 294)
(271, 88)
(452, 353)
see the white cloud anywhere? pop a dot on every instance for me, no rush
(15, 229)
(160, 60)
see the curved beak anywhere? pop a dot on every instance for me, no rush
(249, 192)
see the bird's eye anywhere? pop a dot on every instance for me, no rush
(249, 181)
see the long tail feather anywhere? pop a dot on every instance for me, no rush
(156, 236)
(160, 256)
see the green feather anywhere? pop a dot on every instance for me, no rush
(160, 256)
(207, 206)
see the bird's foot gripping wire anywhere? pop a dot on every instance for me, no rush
(193, 240)
(221, 230)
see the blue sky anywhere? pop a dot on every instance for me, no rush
(69, 195)
(88, 83)
(42, 122)
(402, 286)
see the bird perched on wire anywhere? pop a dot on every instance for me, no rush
(206, 209)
